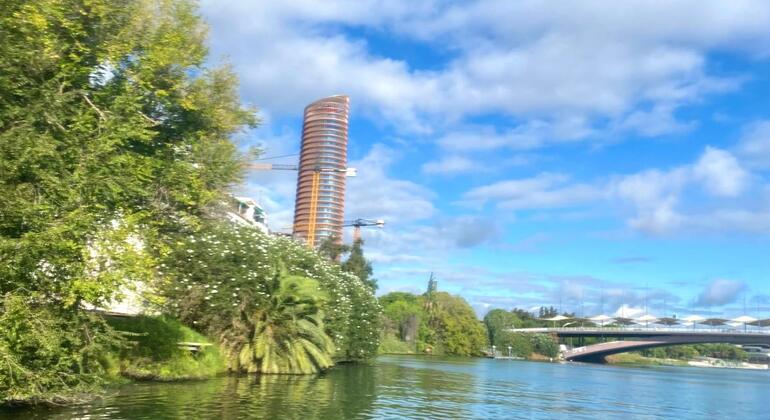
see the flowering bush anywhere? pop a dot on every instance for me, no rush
(221, 273)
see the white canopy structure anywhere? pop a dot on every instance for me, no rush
(669, 321)
(744, 320)
(557, 318)
(713, 322)
(645, 319)
(693, 319)
(600, 319)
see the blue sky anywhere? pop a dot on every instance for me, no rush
(590, 155)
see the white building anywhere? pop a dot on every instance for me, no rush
(245, 211)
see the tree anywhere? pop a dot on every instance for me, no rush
(113, 133)
(285, 333)
(520, 344)
(497, 321)
(459, 330)
(359, 266)
(332, 248)
(405, 313)
(548, 312)
(107, 114)
(449, 326)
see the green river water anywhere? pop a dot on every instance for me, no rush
(427, 387)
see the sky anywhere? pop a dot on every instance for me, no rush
(595, 156)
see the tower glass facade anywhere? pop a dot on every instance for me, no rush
(323, 160)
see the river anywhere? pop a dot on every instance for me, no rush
(427, 387)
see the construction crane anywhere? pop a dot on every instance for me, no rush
(272, 167)
(316, 180)
(358, 223)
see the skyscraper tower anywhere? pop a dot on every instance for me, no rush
(319, 208)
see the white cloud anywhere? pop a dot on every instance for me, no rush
(530, 135)
(546, 190)
(652, 196)
(427, 242)
(450, 165)
(721, 173)
(658, 121)
(720, 292)
(586, 60)
(628, 311)
(658, 219)
(754, 146)
(374, 194)
(655, 194)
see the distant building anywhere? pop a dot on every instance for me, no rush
(245, 211)
(323, 154)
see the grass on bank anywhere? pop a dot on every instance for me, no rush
(390, 344)
(153, 352)
(636, 359)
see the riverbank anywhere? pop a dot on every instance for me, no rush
(633, 359)
(154, 352)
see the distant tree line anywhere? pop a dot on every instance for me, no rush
(692, 351)
(436, 323)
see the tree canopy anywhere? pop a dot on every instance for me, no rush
(113, 133)
(439, 323)
(358, 265)
(110, 126)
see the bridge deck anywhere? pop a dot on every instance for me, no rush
(642, 338)
(642, 332)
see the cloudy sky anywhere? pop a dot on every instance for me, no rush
(591, 155)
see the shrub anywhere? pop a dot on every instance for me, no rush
(49, 354)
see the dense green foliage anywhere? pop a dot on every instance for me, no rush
(115, 153)
(110, 128)
(688, 352)
(153, 350)
(438, 323)
(333, 248)
(499, 322)
(255, 290)
(358, 265)
(285, 334)
(48, 353)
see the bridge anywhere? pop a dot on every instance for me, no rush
(633, 339)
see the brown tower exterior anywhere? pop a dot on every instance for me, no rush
(319, 208)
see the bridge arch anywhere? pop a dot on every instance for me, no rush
(597, 353)
(634, 339)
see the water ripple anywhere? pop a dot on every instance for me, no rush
(430, 388)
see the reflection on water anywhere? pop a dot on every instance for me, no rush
(423, 387)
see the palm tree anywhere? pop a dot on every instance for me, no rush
(285, 333)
